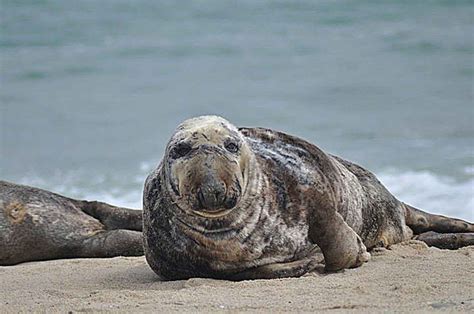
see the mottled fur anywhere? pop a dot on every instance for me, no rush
(39, 225)
(294, 198)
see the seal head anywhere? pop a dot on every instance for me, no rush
(204, 166)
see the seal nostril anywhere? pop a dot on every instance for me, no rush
(230, 202)
(219, 196)
(200, 198)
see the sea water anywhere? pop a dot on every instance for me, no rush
(92, 90)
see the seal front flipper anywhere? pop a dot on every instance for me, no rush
(341, 246)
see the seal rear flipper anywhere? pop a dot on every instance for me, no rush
(112, 243)
(113, 217)
(451, 241)
(420, 222)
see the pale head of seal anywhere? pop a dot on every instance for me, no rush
(205, 166)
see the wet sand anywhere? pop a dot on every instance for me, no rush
(408, 277)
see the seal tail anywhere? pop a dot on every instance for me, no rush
(439, 231)
(113, 217)
(420, 222)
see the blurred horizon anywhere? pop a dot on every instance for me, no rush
(90, 91)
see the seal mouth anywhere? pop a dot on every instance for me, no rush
(213, 214)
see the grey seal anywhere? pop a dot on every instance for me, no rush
(253, 203)
(39, 225)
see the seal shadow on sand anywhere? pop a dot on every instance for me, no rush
(141, 277)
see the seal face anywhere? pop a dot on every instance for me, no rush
(256, 203)
(205, 166)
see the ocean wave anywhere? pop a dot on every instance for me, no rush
(100, 188)
(422, 189)
(431, 192)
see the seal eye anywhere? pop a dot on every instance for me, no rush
(232, 147)
(180, 150)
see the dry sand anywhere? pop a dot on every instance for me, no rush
(408, 277)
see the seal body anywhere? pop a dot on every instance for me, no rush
(292, 199)
(39, 225)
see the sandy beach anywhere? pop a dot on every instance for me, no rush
(407, 277)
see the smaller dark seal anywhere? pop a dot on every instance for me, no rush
(256, 203)
(39, 225)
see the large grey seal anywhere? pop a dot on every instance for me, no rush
(39, 225)
(256, 203)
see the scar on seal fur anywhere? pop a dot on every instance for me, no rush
(39, 225)
(257, 203)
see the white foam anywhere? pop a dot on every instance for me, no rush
(469, 170)
(432, 193)
(99, 189)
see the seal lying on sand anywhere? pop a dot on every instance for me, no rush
(256, 203)
(40, 225)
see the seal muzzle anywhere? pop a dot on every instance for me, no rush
(212, 194)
